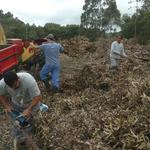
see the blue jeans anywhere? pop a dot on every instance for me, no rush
(54, 69)
(19, 133)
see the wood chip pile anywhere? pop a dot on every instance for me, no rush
(99, 110)
(78, 46)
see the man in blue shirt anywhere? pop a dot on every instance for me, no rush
(51, 51)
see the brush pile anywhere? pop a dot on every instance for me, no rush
(78, 46)
(98, 109)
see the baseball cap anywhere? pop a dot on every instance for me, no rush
(50, 36)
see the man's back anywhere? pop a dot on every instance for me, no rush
(51, 52)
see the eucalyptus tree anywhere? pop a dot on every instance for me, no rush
(100, 15)
(146, 5)
(92, 14)
(111, 16)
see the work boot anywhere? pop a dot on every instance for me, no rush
(114, 70)
(47, 85)
(57, 90)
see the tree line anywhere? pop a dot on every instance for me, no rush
(100, 18)
(15, 28)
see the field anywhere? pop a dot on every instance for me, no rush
(97, 110)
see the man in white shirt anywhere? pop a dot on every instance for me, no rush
(19, 92)
(116, 53)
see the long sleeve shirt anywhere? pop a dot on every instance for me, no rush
(117, 50)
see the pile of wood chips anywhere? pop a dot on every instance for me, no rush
(78, 46)
(98, 109)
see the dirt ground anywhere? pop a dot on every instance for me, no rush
(97, 110)
(5, 139)
(69, 67)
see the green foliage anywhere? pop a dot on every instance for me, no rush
(92, 34)
(111, 16)
(72, 30)
(146, 5)
(51, 28)
(100, 15)
(62, 32)
(14, 28)
(127, 26)
(91, 17)
(142, 26)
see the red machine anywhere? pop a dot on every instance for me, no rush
(14, 51)
(10, 54)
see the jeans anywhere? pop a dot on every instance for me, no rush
(19, 133)
(114, 63)
(54, 69)
(23, 135)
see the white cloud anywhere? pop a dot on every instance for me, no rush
(40, 12)
(61, 12)
(128, 6)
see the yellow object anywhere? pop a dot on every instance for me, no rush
(27, 54)
(2, 36)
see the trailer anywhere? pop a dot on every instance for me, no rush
(10, 56)
(13, 51)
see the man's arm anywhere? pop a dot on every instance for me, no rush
(123, 53)
(34, 48)
(6, 104)
(33, 103)
(116, 53)
(61, 50)
(34, 93)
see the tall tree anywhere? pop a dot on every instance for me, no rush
(143, 24)
(111, 16)
(99, 14)
(127, 26)
(146, 5)
(92, 16)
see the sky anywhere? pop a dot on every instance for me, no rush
(62, 12)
